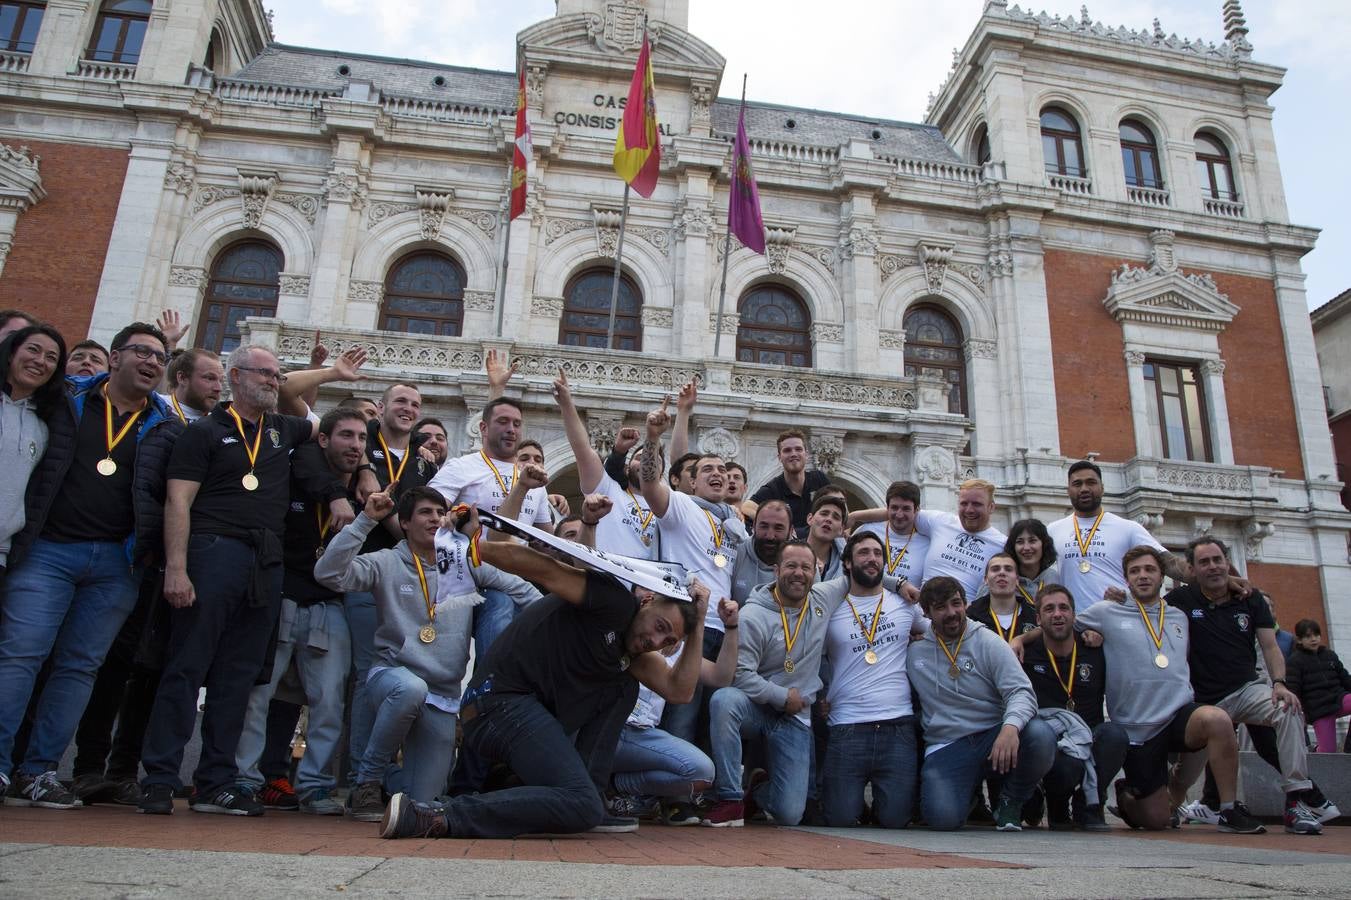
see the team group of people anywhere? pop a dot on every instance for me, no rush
(844, 667)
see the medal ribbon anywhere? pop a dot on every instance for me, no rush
(952, 657)
(178, 409)
(789, 641)
(877, 617)
(257, 437)
(394, 475)
(1031, 600)
(717, 538)
(422, 580)
(1074, 659)
(643, 521)
(113, 441)
(323, 521)
(1085, 543)
(1157, 636)
(496, 474)
(1013, 623)
(892, 564)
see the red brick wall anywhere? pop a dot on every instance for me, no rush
(1296, 591)
(1091, 389)
(1091, 384)
(1257, 380)
(1341, 451)
(54, 267)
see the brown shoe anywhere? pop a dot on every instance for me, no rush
(366, 803)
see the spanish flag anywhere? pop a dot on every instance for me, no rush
(520, 154)
(637, 147)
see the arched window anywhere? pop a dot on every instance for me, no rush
(119, 31)
(1213, 168)
(1140, 155)
(982, 145)
(586, 311)
(19, 24)
(244, 281)
(1060, 144)
(775, 328)
(424, 294)
(215, 52)
(933, 343)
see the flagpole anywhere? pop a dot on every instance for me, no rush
(506, 253)
(727, 243)
(619, 258)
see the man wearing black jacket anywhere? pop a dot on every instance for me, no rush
(313, 629)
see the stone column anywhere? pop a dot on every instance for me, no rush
(1135, 379)
(339, 229)
(1212, 381)
(697, 268)
(63, 37)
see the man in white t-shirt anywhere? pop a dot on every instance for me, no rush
(195, 378)
(699, 532)
(630, 529)
(961, 545)
(483, 479)
(905, 547)
(868, 708)
(1092, 541)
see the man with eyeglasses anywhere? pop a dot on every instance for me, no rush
(227, 496)
(74, 569)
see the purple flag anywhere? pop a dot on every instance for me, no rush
(743, 206)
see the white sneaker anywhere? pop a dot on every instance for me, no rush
(1324, 812)
(1198, 813)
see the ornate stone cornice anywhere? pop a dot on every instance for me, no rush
(1162, 295)
(20, 180)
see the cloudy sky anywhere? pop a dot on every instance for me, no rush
(882, 58)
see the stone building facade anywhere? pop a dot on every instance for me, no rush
(1084, 250)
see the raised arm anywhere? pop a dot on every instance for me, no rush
(345, 368)
(589, 470)
(720, 672)
(528, 477)
(558, 578)
(685, 400)
(676, 684)
(499, 372)
(650, 476)
(594, 508)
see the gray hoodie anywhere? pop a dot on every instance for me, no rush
(991, 690)
(749, 573)
(23, 440)
(760, 655)
(401, 610)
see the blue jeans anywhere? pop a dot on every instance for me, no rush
(559, 795)
(323, 673)
(788, 751)
(948, 777)
(65, 602)
(220, 643)
(881, 752)
(682, 719)
(650, 762)
(359, 607)
(491, 618)
(403, 718)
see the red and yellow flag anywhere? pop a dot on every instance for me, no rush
(637, 147)
(520, 155)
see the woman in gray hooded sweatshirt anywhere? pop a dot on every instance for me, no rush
(33, 361)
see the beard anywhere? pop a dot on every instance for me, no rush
(258, 397)
(766, 548)
(865, 579)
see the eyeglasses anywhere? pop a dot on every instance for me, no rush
(268, 374)
(145, 351)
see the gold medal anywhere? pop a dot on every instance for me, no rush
(106, 467)
(1069, 705)
(719, 560)
(1084, 543)
(1161, 661)
(788, 664)
(250, 481)
(870, 657)
(426, 634)
(954, 671)
(647, 540)
(869, 632)
(1085, 567)
(789, 639)
(1067, 686)
(318, 552)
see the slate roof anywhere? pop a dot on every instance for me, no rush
(313, 68)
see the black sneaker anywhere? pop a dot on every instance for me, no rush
(44, 790)
(1058, 816)
(366, 802)
(156, 800)
(228, 801)
(1093, 819)
(616, 825)
(89, 786)
(126, 792)
(406, 817)
(1035, 808)
(1237, 820)
(678, 813)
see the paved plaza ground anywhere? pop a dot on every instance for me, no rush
(112, 852)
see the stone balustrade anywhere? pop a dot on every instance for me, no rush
(104, 71)
(1069, 184)
(1148, 196)
(1232, 209)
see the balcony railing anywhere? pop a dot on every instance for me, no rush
(1148, 196)
(1199, 478)
(935, 171)
(1070, 184)
(105, 71)
(440, 110)
(10, 61)
(273, 94)
(432, 359)
(794, 152)
(1232, 209)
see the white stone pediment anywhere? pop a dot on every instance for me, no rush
(20, 183)
(1168, 298)
(618, 34)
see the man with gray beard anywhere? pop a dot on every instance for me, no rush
(226, 500)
